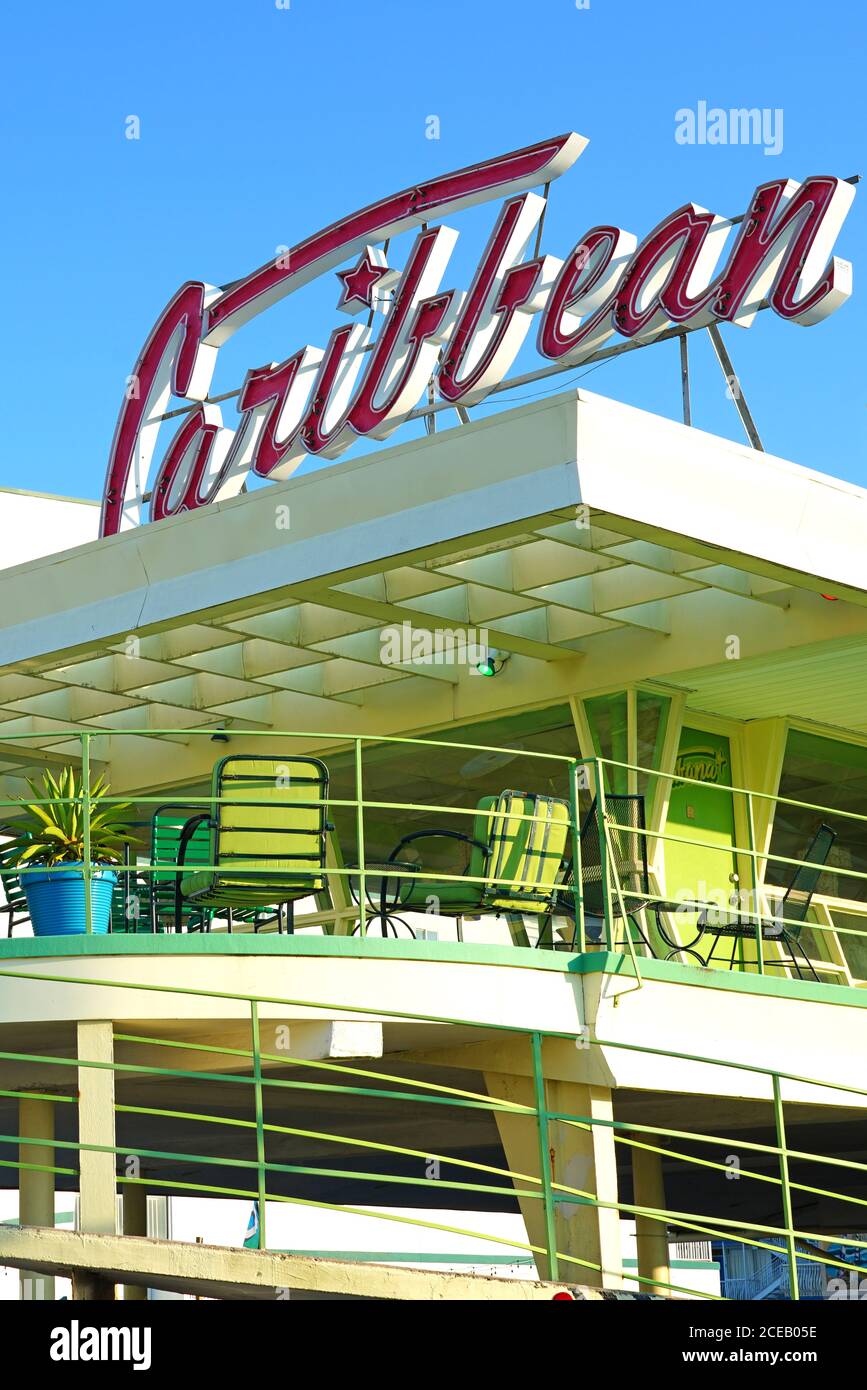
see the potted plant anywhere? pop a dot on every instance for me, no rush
(49, 847)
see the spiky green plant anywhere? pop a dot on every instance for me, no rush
(53, 832)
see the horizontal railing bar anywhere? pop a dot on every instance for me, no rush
(183, 1157)
(39, 1095)
(39, 1167)
(175, 1156)
(745, 916)
(316, 736)
(698, 1137)
(587, 1124)
(453, 1095)
(491, 880)
(325, 804)
(351, 1140)
(380, 739)
(732, 851)
(726, 787)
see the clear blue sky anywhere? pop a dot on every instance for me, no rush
(261, 123)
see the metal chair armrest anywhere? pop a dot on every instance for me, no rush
(660, 905)
(433, 835)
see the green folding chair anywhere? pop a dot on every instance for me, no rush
(167, 825)
(515, 861)
(266, 833)
(14, 904)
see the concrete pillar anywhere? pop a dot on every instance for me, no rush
(36, 1189)
(135, 1223)
(580, 1158)
(89, 1287)
(650, 1235)
(98, 1186)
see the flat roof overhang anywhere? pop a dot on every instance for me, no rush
(266, 611)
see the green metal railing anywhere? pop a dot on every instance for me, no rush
(748, 906)
(263, 1107)
(580, 777)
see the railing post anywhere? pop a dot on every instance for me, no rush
(544, 1156)
(85, 793)
(359, 823)
(785, 1189)
(577, 889)
(598, 773)
(751, 831)
(260, 1122)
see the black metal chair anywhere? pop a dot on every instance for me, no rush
(627, 867)
(788, 920)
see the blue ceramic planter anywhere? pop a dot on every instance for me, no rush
(57, 904)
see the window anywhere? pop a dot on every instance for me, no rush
(652, 713)
(828, 773)
(608, 717)
(854, 947)
(431, 776)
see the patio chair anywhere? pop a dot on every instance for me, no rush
(144, 902)
(167, 824)
(14, 904)
(789, 918)
(627, 866)
(266, 832)
(514, 863)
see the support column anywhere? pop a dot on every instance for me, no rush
(135, 1223)
(580, 1158)
(651, 1239)
(36, 1189)
(98, 1186)
(336, 895)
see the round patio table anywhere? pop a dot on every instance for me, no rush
(386, 890)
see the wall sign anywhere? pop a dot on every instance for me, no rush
(702, 763)
(401, 329)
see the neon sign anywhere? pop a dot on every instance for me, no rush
(405, 331)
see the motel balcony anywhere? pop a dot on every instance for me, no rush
(575, 982)
(640, 842)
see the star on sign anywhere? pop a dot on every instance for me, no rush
(365, 284)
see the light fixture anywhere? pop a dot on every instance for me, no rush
(492, 662)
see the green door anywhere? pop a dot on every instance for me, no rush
(701, 812)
